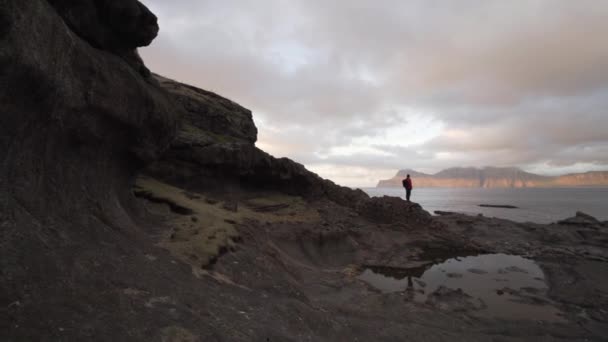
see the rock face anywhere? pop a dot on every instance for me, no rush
(207, 117)
(583, 179)
(81, 258)
(581, 219)
(77, 124)
(493, 177)
(392, 209)
(118, 26)
(75, 120)
(215, 151)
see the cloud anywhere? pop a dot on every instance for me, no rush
(365, 85)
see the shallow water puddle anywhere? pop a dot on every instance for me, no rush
(496, 285)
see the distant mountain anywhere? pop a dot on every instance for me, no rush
(494, 177)
(412, 173)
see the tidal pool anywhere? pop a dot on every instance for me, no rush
(496, 285)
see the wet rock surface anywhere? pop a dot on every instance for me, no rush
(217, 240)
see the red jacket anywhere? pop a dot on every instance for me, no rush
(407, 183)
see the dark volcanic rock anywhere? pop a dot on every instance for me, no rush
(77, 261)
(215, 150)
(208, 114)
(76, 125)
(504, 206)
(80, 260)
(229, 166)
(388, 209)
(83, 106)
(443, 213)
(580, 219)
(109, 24)
(118, 26)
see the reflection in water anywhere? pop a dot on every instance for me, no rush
(503, 286)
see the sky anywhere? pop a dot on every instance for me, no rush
(357, 89)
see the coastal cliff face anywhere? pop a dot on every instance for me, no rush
(583, 179)
(84, 126)
(134, 207)
(215, 151)
(492, 177)
(77, 123)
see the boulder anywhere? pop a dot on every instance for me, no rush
(580, 219)
(388, 209)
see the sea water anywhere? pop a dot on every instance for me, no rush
(538, 205)
(497, 285)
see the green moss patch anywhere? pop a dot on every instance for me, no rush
(199, 232)
(203, 228)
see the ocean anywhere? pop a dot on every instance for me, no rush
(539, 205)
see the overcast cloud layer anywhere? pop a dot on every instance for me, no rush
(358, 89)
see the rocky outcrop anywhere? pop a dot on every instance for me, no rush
(117, 26)
(65, 103)
(493, 177)
(388, 209)
(581, 219)
(77, 124)
(215, 151)
(75, 120)
(82, 259)
(209, 118)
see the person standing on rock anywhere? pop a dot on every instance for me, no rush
(407, 184)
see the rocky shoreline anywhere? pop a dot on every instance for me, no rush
(306, 260)
(134, 207)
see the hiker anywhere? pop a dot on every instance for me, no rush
(407, 184)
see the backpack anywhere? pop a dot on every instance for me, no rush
(404, 182)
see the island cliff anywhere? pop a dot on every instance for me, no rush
(494, 177)
(134, 207)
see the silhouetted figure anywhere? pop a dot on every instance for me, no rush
(407, 184)
(409, 291)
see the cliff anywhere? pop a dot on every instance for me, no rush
(137, 208)
(105, 166)
(590, 178)
(493, 177)
(214, 150)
